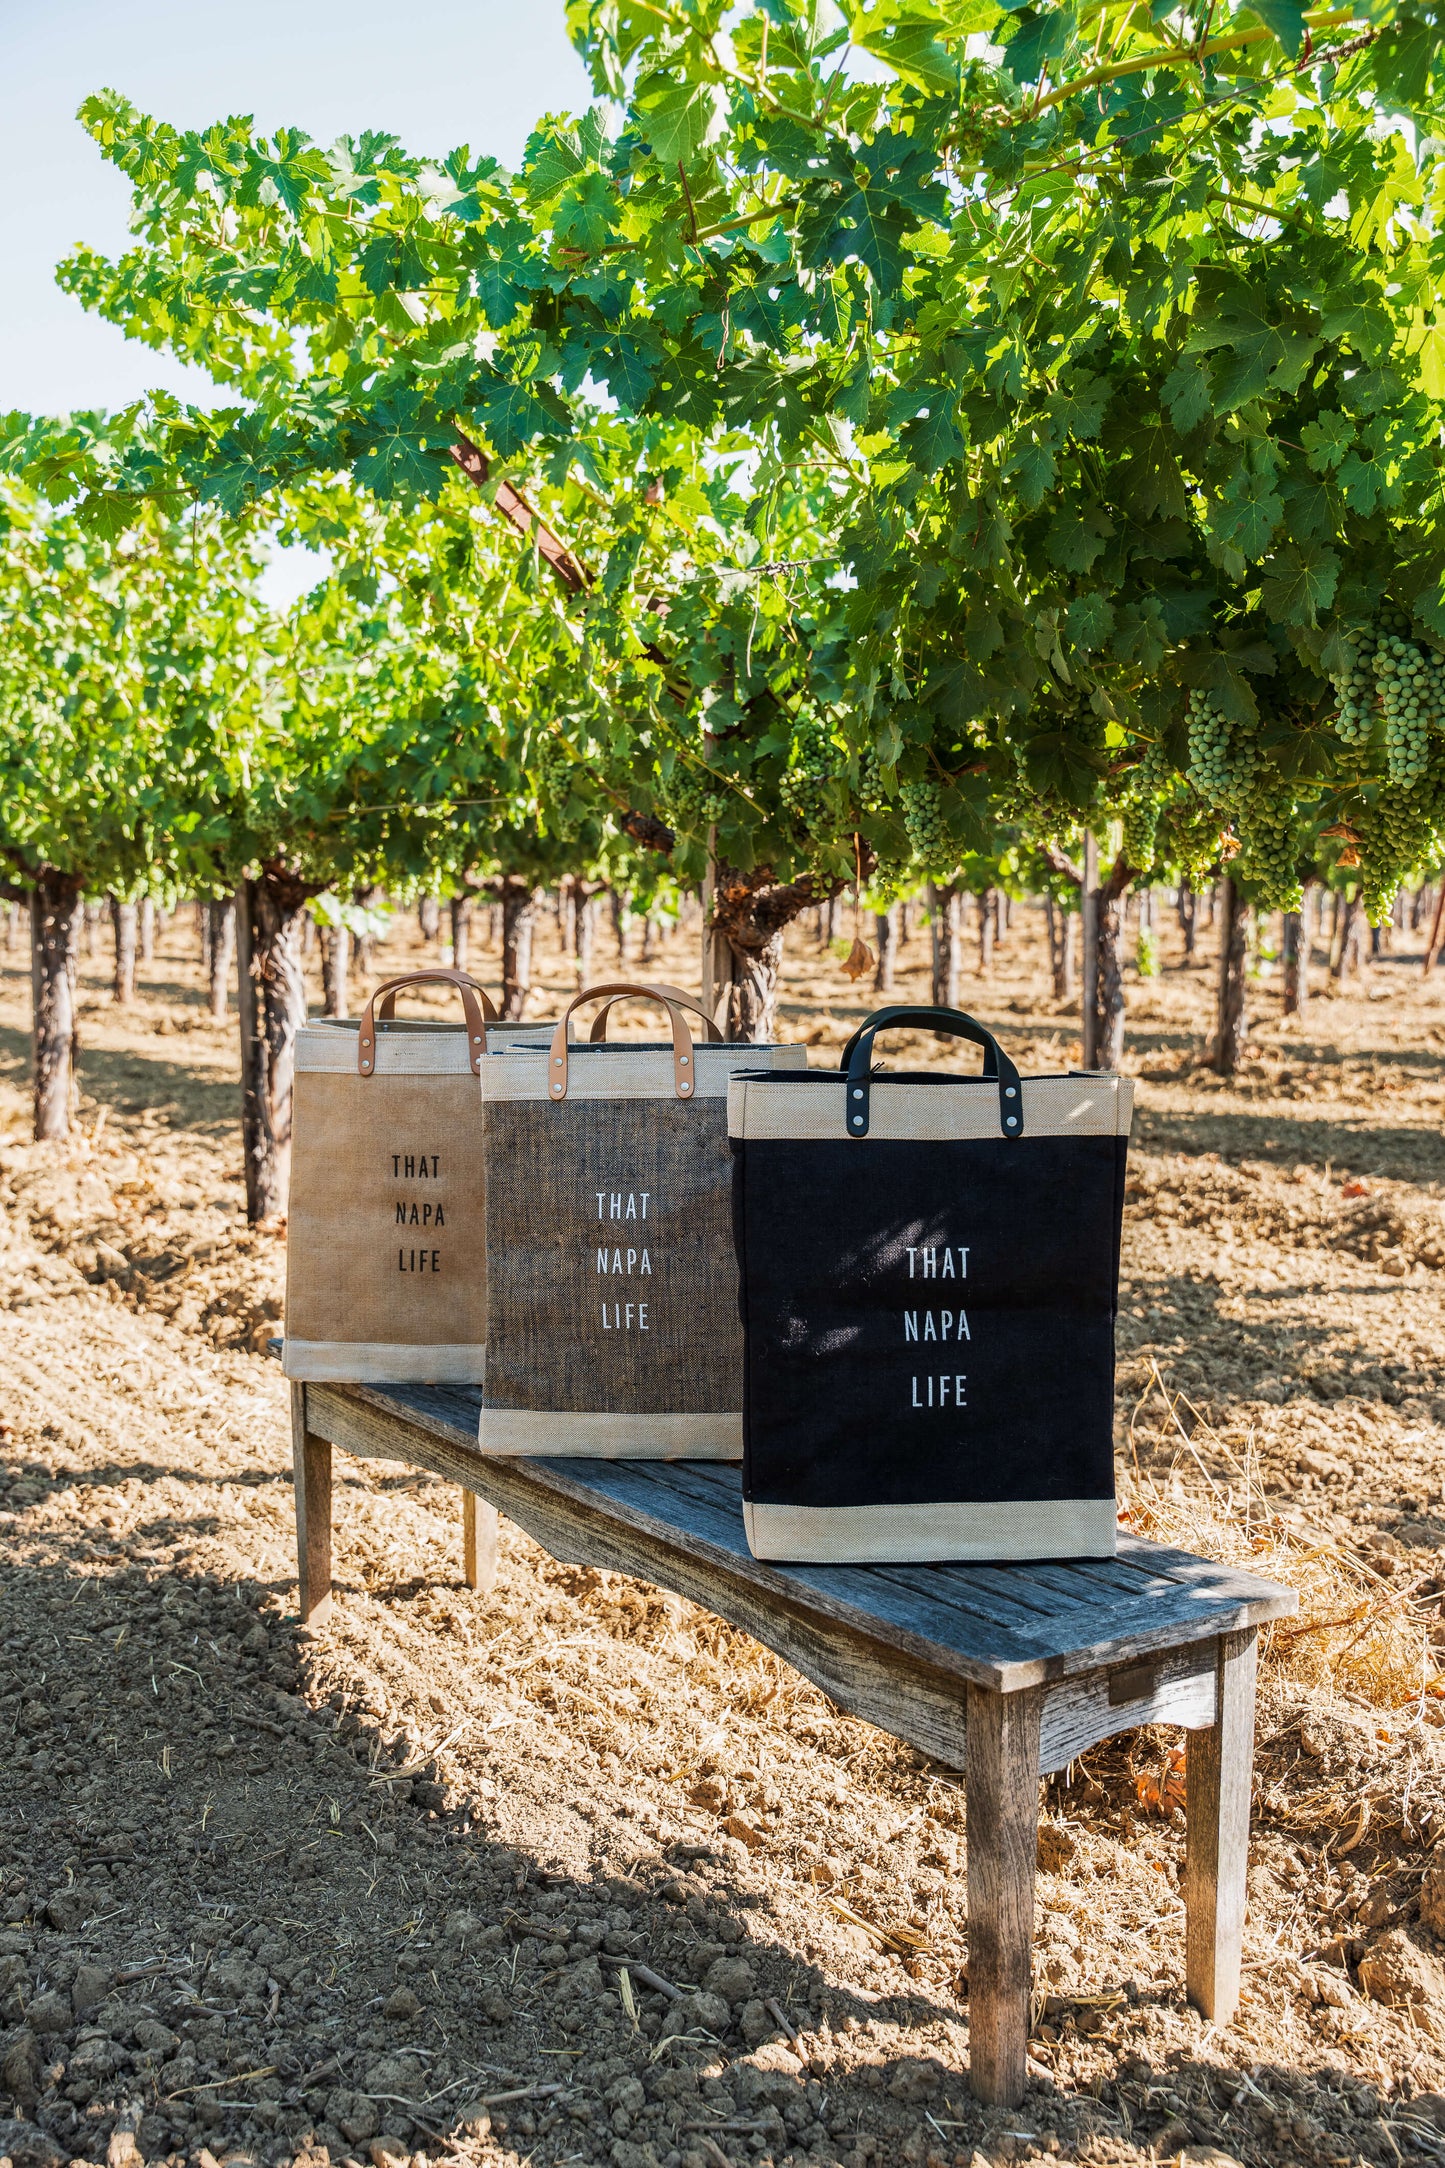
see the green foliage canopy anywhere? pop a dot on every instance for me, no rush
(1080, 380)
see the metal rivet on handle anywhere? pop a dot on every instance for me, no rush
(857, 1094)
(683, 1059)
(1013, 1121)
(1009, 1092)
(857, 1121)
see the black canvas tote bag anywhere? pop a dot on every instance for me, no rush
(929, 1267)
(612, 1317)
(385, 1251)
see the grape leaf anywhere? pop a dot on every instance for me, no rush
(1299, 581)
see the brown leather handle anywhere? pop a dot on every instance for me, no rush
(682, 1061)
(479, 1012)
(597, 1036)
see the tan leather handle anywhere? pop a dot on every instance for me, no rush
(682, 1061)
(386, 995)
(598, 1034)
(478, 1013)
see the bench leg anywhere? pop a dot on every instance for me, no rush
(1218, 1771)
(1001, 1771)
(479, 1543)
(311, 1474)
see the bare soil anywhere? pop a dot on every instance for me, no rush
(402, 1886)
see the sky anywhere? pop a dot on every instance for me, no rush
(434, 72)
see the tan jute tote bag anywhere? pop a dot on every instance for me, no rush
(386, 1271)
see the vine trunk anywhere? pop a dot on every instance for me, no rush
(273, 1008)
(54, 934)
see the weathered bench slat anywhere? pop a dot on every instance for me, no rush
(940, 1615)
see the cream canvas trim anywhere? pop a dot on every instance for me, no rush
(892, 1535)
(530, 1433)
(622, 1072)
(372, 1362)
(901, 1111)
(412, 1049)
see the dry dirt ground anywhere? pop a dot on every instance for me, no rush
(399, 1887)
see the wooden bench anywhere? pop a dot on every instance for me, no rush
(1006, 1672)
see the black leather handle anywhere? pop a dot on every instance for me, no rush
(997, 1068)
(885, 1019)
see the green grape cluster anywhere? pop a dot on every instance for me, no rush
(1222, 760)
(1192, 832)
(873, 791)
(1399, 831)
(889, 878)
(555, 772)
(922, 805)
(812, 763)
(690, 800)
(1270, 853)
(1355, 686)
(1411, 684)
(1142, 808)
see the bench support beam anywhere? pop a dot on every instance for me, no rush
(1001, 1772)
(311, 1475)
(479, 1543)
(1218, 1769)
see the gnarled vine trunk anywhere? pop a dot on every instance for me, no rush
(461, 933)
(1101, 916)
(886, 927)
(54, 937)
(743, 946)
(336, 971)
(1062, 925)
(1110, 977)
(1233, 979)
(1296, 963)
(519, 921)
(123, 921)
(943, 914)
(987, 928)
(583, 923)
(273, 1008)
(220, 953)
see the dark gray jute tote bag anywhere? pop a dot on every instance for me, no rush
(612, 1320)
(385, 1253)
(929, 1271)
